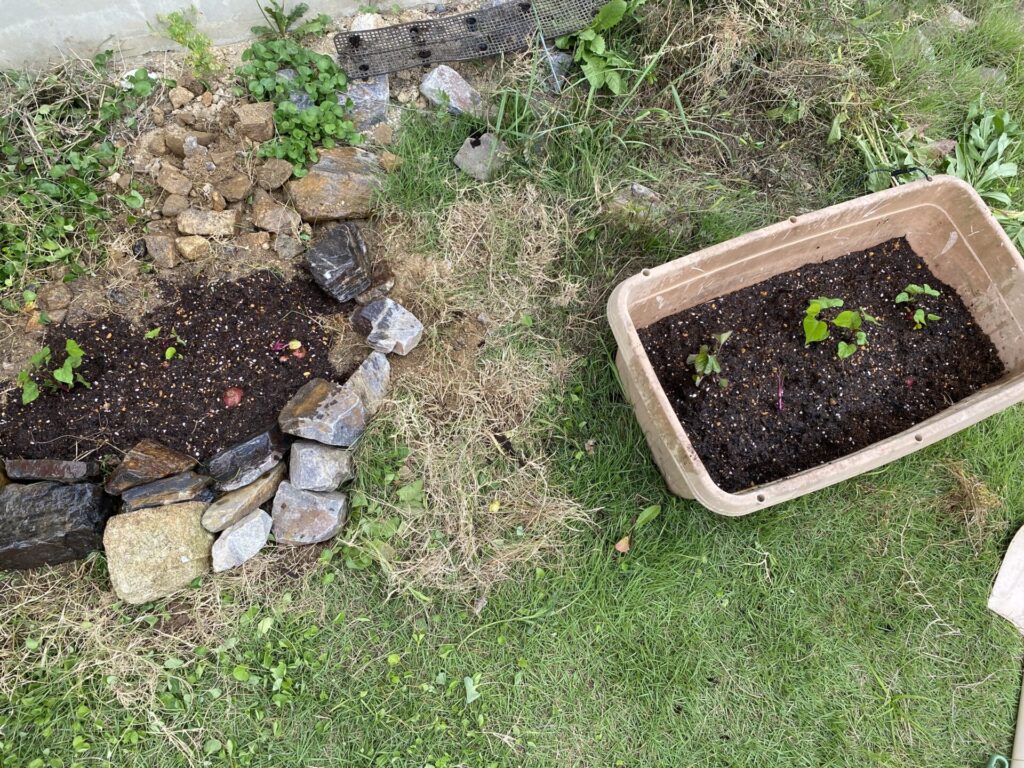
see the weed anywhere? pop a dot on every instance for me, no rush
(282, 23)
(912, 295)
(705, 361)
(180, 27)
(63, 377)
(299, 132)
(852, 321)
(602, 66)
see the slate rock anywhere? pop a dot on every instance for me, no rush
(316, 467)
(482, 157)
(256, 121)
(48, 523)
(337, 259)
(305, 517)
(241, 541)
(48, 469)
(208, 223)
(443, 85)
(171, 490)
(234, 505)
(326, 412)
(155, 552)
(370, 97)
(388, 326)
(244, 463)
(340, 185)
(274, 173)
(272, 216)
(296, 96)
(370, 381)
(147, 461)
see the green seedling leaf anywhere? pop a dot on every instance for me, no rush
(814, 330)
(861, 338)
(647, 516)
(29, 392)
(846, 350)
(153, 333)
(65, 374)
(169, 353)
(902, 297)
(848, 319)
(72, 348)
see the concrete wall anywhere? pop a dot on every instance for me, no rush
(33, 32)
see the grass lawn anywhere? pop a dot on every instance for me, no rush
(848, 628)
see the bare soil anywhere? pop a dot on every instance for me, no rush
(225, 335)
(789, 407)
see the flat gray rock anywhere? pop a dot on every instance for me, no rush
(337, 259)
(326, 412)
(305, 517)
(48, 523)
(145, 462)
(482, 157)
(444, 86)
(388, 326)
(56, 471)
(316, 467)
(242, 464)
(241, 541)
(370, 382)
(234, 505)
(171, 490)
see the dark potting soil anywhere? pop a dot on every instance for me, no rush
(749, 433)
(227, 331)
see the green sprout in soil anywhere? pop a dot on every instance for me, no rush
(705, 361)
(849, 321)
(913, 295)
(64, 377)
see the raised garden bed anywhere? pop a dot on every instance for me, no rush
(802, 410)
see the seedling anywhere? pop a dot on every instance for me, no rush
(705, 361)
(914, 295)
(852, 321)
(63, 377)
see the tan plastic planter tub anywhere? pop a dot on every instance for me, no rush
(946, 223)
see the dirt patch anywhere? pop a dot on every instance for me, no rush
(829, 408)
(224, 334)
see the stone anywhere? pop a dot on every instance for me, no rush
(388, 326)
(174, 205)
(390, 162)
(636, 202)
(173, 181)
(340, 185)
(48, 469)
(370, 97)
(370, 381)
(338, 261)
(208, 223)
(243, 463)
(378, 291)
(162, 251)
(156, 144)
(236, 186)
(383, 134)
(49, 523)
(175, 135)
(255, 121)
(234, 505)
(957, 20)
(556, 65)
(207, 99)
(153, 553)
(54, 296)
(482, 157)
(316, 467)
(297, 96)
(326, 412)
(192, 148)
(444, 86)
(187, 486)
(250, 243)
(188, 79)
(288, 247)
(305, 517)
(274, 173)
(217, 201)
(147, 461)
(272, 216)
(180, 96)
(193, 247)
(157, 115)
(242, 541)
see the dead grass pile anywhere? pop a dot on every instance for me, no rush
(970, 503)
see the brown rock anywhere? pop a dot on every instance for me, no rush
(390, 162)
(157, 145)
(173, 205)
(155, 552)
(174, 138)
(252, 242)
(234, 505)
(207, 99)
(173, 181)
(180, 96)
(256, 121)
(162, 251)
(54, 296)
(274, 173)
(193, 247)
(157, 115)
(145, 462)
(217, 201)
(208, 223)
(340, 186)
(235, 187)
(288, 247)
(188, 79)
(383, 134)
(272, 216)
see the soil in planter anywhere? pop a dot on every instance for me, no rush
(226, 332)
(829, 407)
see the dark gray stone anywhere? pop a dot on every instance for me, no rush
(338, 260)
(187, 486)
(146, 462)
(49, 523)
(304, 517)
(47, 469)
(370, 97)
(316, 467)
(388, 326)
(297, 96)
(244, 463)
(326, 412)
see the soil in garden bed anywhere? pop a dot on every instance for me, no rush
(748, 434)
(224, 335)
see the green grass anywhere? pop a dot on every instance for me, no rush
(847, 628)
